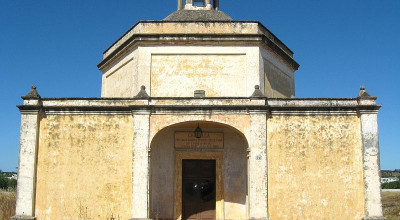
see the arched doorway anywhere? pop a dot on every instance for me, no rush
(177, 163)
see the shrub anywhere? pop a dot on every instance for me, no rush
(7, 184)
(12, 183)
(3, 182)
(392, 185)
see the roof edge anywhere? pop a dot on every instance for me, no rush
(233, 21)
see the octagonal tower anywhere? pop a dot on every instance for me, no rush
(198, 47)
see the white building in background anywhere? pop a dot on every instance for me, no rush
(389, 179)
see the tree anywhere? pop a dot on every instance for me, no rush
(3, 182)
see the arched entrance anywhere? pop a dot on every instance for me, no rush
(198, 178)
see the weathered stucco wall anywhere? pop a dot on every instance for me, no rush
(119, 79)
(315, 168)
(180, 75)
(201, 62)
(176, 71)
(239, 121)
(84, 168)
(278, 75)
(277, 83)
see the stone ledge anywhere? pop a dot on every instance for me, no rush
(23, 217)
(375, 218)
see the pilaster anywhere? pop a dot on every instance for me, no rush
(371, 166)
(28, 144)
(140, 165)
(258, 172)
(370, 142)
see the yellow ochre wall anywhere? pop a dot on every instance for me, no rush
(181, 75)
(315, 168)
(84, 168)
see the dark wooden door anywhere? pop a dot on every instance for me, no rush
(198, 189)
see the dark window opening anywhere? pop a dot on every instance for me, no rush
(199, 3)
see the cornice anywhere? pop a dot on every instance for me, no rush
(217, 38)
(206, 109)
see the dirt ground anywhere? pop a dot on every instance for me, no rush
(7, 205)
(391, 205)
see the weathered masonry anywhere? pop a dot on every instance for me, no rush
(198, 120)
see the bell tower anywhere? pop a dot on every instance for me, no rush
(198, 4)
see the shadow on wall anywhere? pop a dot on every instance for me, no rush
(234, 168)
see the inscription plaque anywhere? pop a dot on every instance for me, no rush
(208, 140)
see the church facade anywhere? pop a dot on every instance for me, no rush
(198, 120)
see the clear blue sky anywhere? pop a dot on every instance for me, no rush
(340, 45)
